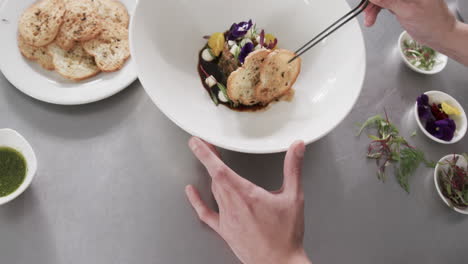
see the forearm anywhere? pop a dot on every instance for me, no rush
(456, 44)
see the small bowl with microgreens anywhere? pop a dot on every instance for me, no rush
(451, 181)
(440, 117)
(420, 58)
(18, 165)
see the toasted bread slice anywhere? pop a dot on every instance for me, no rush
(64, 41)
(277, 76)
(81, 23)
(242, 82)
(75, 64)
(111, 48)
(113, 11)
(37, 54)
(40, 23)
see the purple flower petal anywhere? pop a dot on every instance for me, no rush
(423, 99)
(246, 50)
(442, 129)
(239, 30)
(425, 113)
(431, 127)
(424, 109)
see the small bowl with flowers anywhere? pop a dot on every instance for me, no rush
(441, 117)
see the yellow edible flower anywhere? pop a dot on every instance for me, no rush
(216, 43)
(450, 110)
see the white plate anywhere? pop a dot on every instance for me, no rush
(49, 86)
(166, 36)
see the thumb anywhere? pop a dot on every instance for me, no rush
(293, 168)
(371, 13)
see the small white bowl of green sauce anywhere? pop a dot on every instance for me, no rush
(18, 165)
(420, 58)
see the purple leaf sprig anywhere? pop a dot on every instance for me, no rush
(270, 45)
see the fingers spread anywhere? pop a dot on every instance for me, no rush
(209, 159)
(371, 13)
(293, 167)
(205, 214)
(219, 172)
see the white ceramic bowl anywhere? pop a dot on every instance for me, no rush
(12, 139)
(166, 37)
(462, 162)
(441, 58)
(460, 121)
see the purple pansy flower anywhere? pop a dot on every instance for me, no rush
(423, 99)
(239, 30)
(442, 129)
(424, 113)
(424, 109)
(246, 50)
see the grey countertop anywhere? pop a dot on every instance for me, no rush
(109, 188)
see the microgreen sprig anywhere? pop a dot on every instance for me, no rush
(388, 147)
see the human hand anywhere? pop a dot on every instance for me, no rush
(427, 21)
(259, 226)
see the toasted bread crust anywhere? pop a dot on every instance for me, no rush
(277, 76)
(110, 49)
(40, 23)
(75, 64)
(242, 82)
(113, 11)
(81, 23)
(37, 54)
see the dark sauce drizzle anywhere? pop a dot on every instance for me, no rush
(212, 68)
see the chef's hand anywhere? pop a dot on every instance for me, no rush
(429, 22)
(259, 226)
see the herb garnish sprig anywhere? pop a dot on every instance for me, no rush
(388, 147)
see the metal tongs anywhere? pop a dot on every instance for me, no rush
(332, 28)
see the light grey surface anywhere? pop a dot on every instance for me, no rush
(109, 187)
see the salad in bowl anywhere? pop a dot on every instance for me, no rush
(243, 68)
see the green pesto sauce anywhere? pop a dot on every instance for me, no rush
(12, 170)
